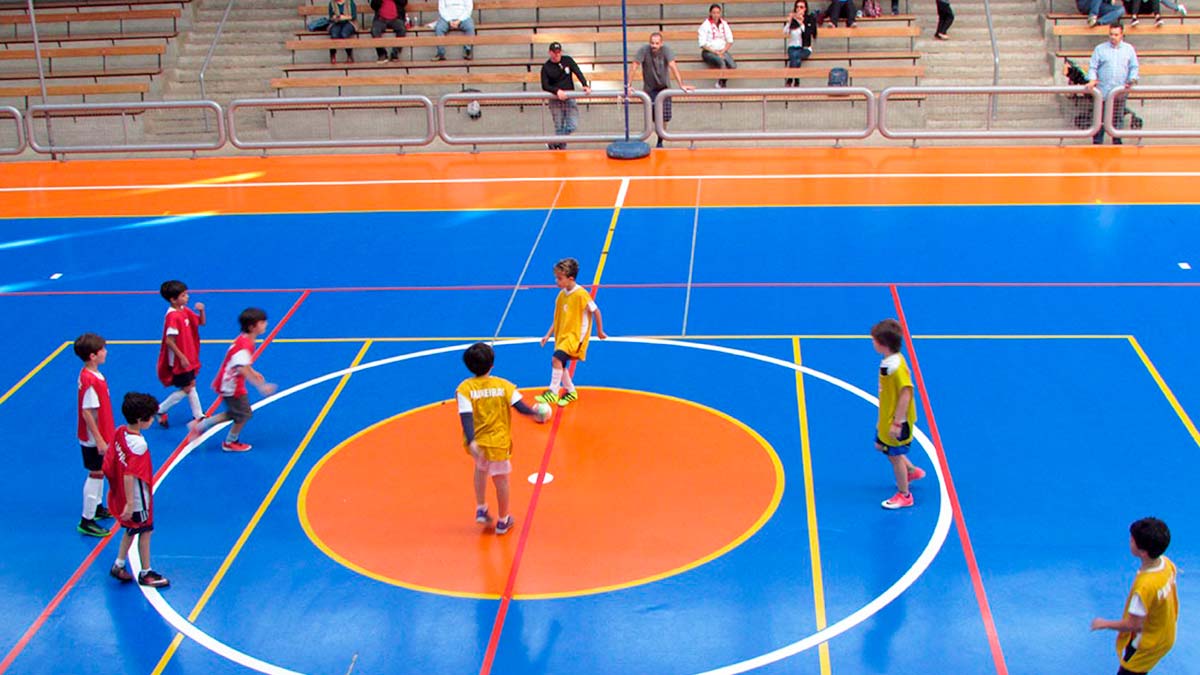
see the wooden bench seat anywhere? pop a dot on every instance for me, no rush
(1161, 69)
(525, 79)
(17, 6)
(1076, 17)
(1084, 54)
(82, 90)
(93, 74)
(103, 53)
(1144, 29)
(111, 38)
(84, 17)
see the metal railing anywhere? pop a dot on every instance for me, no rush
(1161, 99)
(1062, 96)
(213, 48)
(125, 114)
(541, 102)
(275, 106)
(987, 12)
(9, 112)
(762, 100)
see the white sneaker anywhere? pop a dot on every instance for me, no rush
(1182, 10)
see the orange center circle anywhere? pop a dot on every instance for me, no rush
(644, 486)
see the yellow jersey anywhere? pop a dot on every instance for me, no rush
(1154, 597)
(893, 377)
(489, 400)
(573, 321)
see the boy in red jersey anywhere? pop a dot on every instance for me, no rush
(179, 356)
(130, 473)
(230, 382)
(94, 430)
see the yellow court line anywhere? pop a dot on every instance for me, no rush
(1162, 384)
(489, 338)
(29, 376)
(262, 509)
(814, 540)
(612, 227)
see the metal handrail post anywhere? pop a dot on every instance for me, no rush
(37, 55)
(987, 11)
(208, 57)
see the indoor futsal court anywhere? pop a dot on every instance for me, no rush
(710, 504)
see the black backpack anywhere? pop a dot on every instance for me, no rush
(839, 77)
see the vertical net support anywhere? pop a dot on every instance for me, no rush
(626, 149)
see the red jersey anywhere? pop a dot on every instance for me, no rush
(104, 415)
(121, 461)
(184, 325)
(230, 381)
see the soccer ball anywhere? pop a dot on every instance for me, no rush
(542, 411)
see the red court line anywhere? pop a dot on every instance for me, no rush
(667, 285)
(91, 557)
(985, 609)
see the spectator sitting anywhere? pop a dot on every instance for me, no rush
(840, 8)
(1134, 7)
(801, 29)
(341, 25)
(556, 80)
(716, 37)
(454, 15)
(1103, 12)
(388, 14)
(1178, 7)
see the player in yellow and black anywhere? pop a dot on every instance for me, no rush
(484, 403)
(1146, 631)
(574, 312)
(897, 411)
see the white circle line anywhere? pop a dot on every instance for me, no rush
(940, 532)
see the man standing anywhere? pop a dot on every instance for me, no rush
(556, 80)
(454, 15)
(657, 62)
(1114, 65)
(715, 40)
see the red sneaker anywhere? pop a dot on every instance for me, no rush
(236, 446)
(916, 474)
(898, 501)
(162, 421)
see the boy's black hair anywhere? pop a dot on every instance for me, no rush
(479, 358)
(889, 333)
(568, 266)
(1151, 535)
(715, 5)
(138, 407)
(88, 344)
(172, 289)
(249, 317)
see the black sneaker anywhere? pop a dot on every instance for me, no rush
(481, 516)
(152, 578)
(102, 513)
(503, 526)
(120, 573)
(90, 528)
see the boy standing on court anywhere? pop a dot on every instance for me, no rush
(179, 355)
(1146, 631)
(574, 312)
(130, 475)
(897, 411)
(230, 382)
(483, 408)
(94, 430)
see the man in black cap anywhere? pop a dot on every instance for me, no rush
(556, 80)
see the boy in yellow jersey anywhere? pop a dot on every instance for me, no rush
(1146, 631)
(574, 312)
(483, 408)
(897, 411)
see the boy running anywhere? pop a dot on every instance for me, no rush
(574, 312)
(179, 355)
(230, 382)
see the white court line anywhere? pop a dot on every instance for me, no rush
(936, 540)
(687, 299)
(548, 179)
(528, 259)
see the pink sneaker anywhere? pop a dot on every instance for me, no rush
(898, 501)
(238, 446)
(916, 474)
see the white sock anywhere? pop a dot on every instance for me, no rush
(193, 398)
(175, 397)
(121, 563)
(566, 380)
(93, 492)
(556, 379)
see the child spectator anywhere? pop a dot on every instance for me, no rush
(94, 430)
(342, 15)
(483, 408)
(716, 38)
(1146, 631)
(179, 355)
(130, 473)
(800, 29)
(230, 382)
(897, 411)
(574, 311)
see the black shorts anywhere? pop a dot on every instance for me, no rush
(238, 408)
(141, 529)
(182, 380)
(1130, 650)
(92, 459)
(561, 357)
